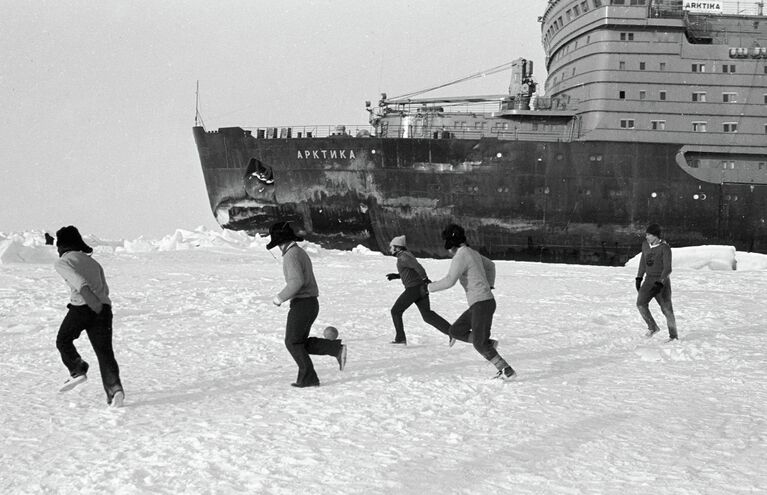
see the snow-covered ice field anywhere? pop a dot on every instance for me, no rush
(209, 408)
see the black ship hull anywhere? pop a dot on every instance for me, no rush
(578, 202)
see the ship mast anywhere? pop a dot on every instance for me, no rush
(197, 117)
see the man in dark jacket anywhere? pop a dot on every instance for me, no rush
(655, 263)
(301, 290)
(414, 278)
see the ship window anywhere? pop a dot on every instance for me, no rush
(573, 71)
(662, 96)
(730, 127)
(642, 95)
(597, 3)
(617, 2)
(637, 2)
(559, 21)
(728, 164)
(694, 163)
(588, 40)
(641, 66)
(576, 11)
(699, 67)
(621, 65)
(658, 125)
(699, 127)
(622, 95)
(569, 15)
(728, 68)
(627, 123)
(765, 128)
(729, 97)
(699, 96)
(662, 66)
(585, 6)
(765, 97)
(761, 165)
(627, 36)
(535, 126)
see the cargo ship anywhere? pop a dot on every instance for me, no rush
(652, 111)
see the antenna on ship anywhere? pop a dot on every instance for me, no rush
(197, 117)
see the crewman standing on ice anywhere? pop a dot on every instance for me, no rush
(655, 262)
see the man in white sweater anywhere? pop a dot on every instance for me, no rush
(477, 276)
(90, 309)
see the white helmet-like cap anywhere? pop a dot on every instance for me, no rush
(398, 241)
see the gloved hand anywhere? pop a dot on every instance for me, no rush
(276, 301)
(392, 276)
(638, 283)
(656, 288)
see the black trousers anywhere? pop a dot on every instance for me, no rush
(301, 316)
(474, 326)
(405, 300)
(99, 329)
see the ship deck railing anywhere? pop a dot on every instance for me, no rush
(403, 132)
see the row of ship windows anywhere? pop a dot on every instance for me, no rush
(695, 96)
(698, 126)
(725, 164)
(726, 68)
(582, 8)
(739, 52)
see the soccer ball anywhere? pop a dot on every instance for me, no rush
(331, 333)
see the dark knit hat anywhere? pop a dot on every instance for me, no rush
(69, 239)
(281, 232)
(453, 235)
(653, 229)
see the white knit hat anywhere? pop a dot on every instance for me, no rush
(398, 241)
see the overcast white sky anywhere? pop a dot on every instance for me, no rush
(98, 98)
